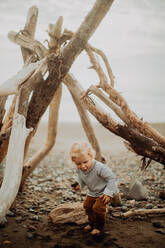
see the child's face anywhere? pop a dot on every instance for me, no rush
(83, 163)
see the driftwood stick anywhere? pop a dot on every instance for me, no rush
(11, 85)
(95, 90)
(33, 83)
(97, 67)
(28, 43)
(85, 122)
(109, 70)
(90, 104)
(29, 30)
(28, 54)
(54, 32)
(31, 164)
(134, 212)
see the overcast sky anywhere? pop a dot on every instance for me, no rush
(132, 35)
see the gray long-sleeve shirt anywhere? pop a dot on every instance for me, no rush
(99, 179)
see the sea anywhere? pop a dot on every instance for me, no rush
(132, 35)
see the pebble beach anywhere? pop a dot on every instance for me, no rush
(49, 186)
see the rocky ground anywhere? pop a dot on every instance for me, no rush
(29, 226)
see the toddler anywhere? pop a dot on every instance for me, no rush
(100, 181)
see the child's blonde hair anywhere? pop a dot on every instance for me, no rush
(80, 150)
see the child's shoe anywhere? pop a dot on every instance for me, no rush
(87, 228)
(95, 232)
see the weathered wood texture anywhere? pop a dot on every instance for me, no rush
(59, 64)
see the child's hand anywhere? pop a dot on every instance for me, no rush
(75, 186)
(105, 198)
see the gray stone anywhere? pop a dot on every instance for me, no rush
(34, 217)
(149, 206)
(19, 219)
(158, 224)
(10, 213)
(137, 191)
(161, 231)
(124, 209)
(30, 235)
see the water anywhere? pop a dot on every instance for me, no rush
(132, 35)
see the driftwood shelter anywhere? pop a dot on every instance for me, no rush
(38, 85)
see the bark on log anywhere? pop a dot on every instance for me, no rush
(134, 121)
(141, 144)
(32, 84)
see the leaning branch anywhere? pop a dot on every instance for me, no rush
(31, 164)
(11, 86)
(85, 120)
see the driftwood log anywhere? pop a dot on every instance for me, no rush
(41, 78)
(135, 212)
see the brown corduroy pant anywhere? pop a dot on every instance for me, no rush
(96, 211)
